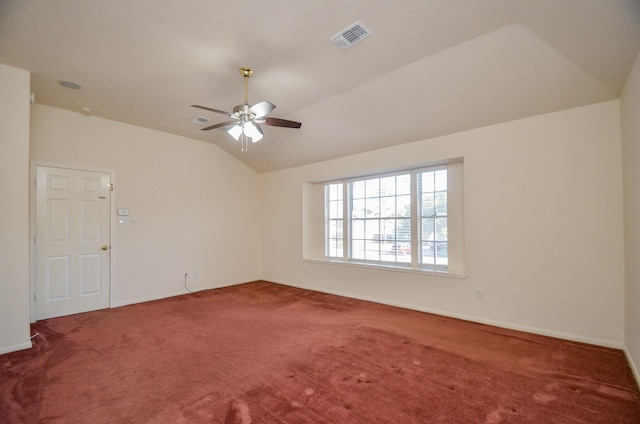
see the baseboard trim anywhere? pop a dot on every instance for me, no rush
(501, 324)
(118, 304)
(633, 367)
(15, 348)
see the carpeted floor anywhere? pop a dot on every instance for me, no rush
(266, 353)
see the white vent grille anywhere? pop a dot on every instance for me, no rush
(351, 35)
(200, 120)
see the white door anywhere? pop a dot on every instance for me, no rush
(73, 251)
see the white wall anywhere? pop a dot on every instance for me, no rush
(14, 213)
(630, 119)
(543, 227)
(196, 206)
(543, 217)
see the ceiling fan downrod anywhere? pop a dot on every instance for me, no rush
(246, 73)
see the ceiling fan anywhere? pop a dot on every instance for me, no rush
(246, 118)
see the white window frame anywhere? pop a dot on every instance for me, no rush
(330, 204)
(438, 240)
(415, 264)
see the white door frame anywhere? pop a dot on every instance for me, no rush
(32, 229)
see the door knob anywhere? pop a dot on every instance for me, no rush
(104, 247)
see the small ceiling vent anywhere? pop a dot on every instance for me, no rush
(351, 35)
(200, 120)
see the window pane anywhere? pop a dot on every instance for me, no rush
(428, 253)
(403, 252)
(426, 181)
(442, 255)
(388, 186)
(335, 191)
(357, 190)
(357, 249)
(428, 229)
(335, 248)
(357, 229)
(338, 210)
(372, 252)
(403, 207)
(388, 206)
(358, 208)
(388, 230)
(441, 180)
(335, 229)
(373, 207)
(372, 229)
(441, 229)
(403, 184)
(403, 230)
(428, 204)
(373, 187)
(441, 203)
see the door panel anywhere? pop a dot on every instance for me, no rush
(72, 241)
(91, 275)
(57, 277)
(58, 220)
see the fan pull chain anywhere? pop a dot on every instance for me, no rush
(244, 143)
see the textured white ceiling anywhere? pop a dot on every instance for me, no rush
(431, 67)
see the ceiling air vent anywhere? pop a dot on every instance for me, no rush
(351, 35)
(200, 120)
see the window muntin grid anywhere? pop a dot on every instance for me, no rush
(334, 210)
(380, 219)
(432, 211)
(396, 219)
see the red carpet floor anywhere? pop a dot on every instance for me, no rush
(266, 353)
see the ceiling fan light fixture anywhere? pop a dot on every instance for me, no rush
(248, 130)
(235, 131)
(252, 131)
(245, 132)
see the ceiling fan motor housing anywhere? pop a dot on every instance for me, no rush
(242, 112)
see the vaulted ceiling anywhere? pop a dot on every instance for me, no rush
(430, 67)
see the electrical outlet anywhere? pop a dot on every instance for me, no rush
(196, 273)
(479, 294)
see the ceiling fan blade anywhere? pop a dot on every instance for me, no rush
(277, 122)
(220, 125)
(212, 110)
(262, 108)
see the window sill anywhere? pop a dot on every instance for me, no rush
(389, 267)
